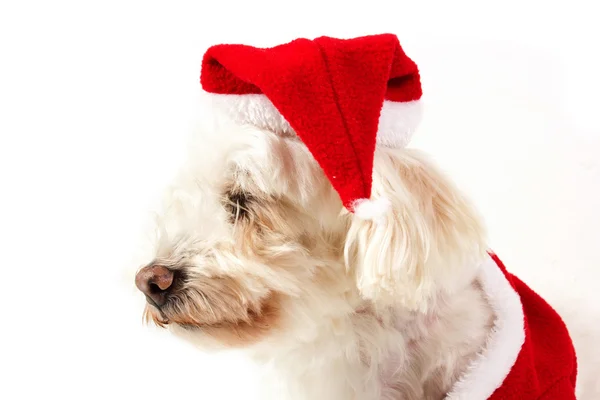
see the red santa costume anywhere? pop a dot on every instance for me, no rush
(343, 98)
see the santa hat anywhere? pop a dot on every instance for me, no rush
(341, 97)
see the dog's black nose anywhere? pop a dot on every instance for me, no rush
(155, 281)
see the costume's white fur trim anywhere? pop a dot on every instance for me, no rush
(397, 121)
(492, 366)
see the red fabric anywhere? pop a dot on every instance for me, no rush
(546, 368)
(331, 92)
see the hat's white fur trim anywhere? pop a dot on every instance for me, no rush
(397, 121)
(488, 371)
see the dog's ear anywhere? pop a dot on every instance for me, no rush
(431, 240)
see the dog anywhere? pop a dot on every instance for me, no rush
(255, 251)
(309, 235)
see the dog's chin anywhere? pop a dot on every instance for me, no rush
(257, 324)
(152, 314)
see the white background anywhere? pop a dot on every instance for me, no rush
(97, 100)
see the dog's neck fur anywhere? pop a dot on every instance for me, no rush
(394, 353)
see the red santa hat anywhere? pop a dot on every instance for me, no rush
(341, 97)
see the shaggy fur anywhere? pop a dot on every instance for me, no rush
(267, 259)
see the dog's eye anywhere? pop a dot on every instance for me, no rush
(237, 203)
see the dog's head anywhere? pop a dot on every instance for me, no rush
(254, 245)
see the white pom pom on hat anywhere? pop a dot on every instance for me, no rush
(374, 210)
(341, 97)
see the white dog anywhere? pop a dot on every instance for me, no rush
(261, 254)
(256, 250)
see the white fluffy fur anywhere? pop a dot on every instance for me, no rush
(397, 121)
(409, 308)
(372, 209)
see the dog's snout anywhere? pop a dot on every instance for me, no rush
(155, 281)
